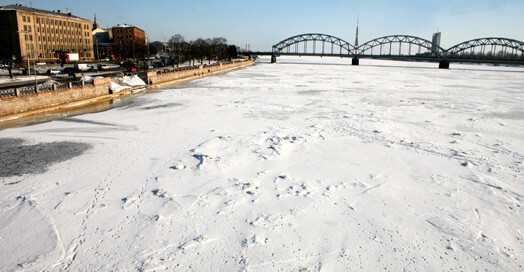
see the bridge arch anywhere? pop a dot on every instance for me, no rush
(419, 43)
(345, 48)
(510, 48)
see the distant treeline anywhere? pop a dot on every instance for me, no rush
(178, 50)
(490, 55)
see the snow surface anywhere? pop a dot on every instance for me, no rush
(288, 166)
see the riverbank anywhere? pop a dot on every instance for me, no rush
(38, 101)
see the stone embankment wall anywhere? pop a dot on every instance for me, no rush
(16, 104)
(159, 77)
(27, 99)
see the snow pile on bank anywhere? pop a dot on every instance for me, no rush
(88, 79)
(115, 87)
(49, 82)
(132, 81)
(121, 83)
(277, 167)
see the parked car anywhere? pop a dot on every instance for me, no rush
(31, 70)
(68, 70)
(103, 67)
(40, 63)
(53, 71)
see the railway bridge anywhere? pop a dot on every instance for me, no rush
(401, 47)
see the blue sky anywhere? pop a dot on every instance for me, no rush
(264, 23)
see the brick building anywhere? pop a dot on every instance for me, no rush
(129, 41)
(39, 34)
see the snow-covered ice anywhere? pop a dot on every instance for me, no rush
(310, 164)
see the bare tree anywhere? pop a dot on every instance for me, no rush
(198, 49)
(219, 48)
(176, 45)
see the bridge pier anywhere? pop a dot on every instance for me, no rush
(273, 58)
(355, 61)
(443, 64)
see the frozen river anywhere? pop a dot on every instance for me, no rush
(310, 164)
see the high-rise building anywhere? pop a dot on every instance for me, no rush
(356, 35)
(435, 43)
(39, 35)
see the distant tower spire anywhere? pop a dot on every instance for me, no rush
(95, 23)
(356, 35)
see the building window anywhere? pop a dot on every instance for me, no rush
(28, 28)
(23, 19)
(37, 20)
(28, 19)
(31, 38)
(25, 28)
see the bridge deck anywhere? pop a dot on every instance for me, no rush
(392, 57)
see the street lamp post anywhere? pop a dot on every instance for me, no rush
(147, 44)
(97, 51)
(28, 56)
(165, 49)
(165, 44)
